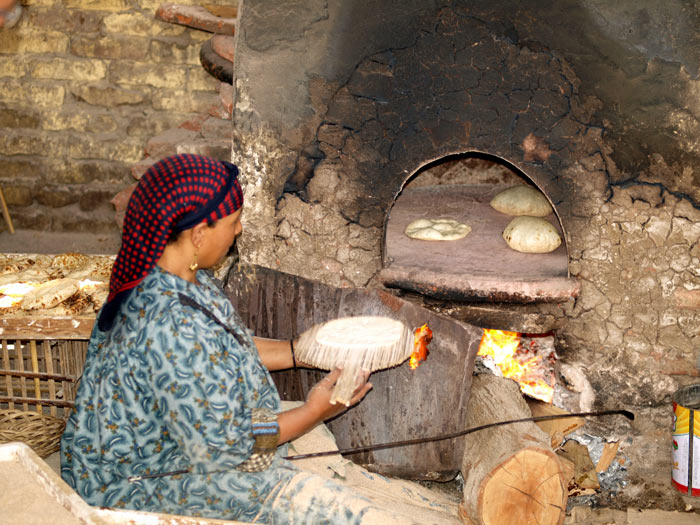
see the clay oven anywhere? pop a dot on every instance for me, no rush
(388, 94)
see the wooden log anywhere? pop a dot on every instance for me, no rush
(585, 479)
(36, 327)
(511, 474)
(557, 429)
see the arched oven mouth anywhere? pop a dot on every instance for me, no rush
(479, 267)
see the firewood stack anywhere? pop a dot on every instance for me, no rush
(511, 474)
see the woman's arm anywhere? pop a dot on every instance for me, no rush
(318, 408)
(276, 354)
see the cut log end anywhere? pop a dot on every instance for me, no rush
(511, 474)
(526, 489)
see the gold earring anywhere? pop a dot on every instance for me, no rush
(193, 267)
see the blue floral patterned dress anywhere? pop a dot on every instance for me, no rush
(169, 389)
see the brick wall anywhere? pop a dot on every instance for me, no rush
(84, 85)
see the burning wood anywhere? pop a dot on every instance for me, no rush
(522, 363)
(421, 340)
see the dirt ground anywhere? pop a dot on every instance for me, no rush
(578, 515)
(30, 241)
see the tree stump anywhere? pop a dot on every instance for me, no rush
(511, 474)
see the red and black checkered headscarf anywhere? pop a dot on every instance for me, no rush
(175, 194)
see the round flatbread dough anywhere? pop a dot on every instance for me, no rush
(437, 230)
(531, 235)
(522, 200)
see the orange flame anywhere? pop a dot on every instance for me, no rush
(502, 347)
(421, 338)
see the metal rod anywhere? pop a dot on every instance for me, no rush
(626, 413)
(393, 444)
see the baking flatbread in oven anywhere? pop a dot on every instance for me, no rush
(437, 230)
(70, 261)
(531, 235)
(522, 200)
(29, 275)
(76, 304)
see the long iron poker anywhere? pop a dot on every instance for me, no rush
(629, 415)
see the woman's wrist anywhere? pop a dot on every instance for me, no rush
(297, 421)
(291, 347)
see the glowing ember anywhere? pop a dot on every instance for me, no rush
(421, 338)
(502, 346)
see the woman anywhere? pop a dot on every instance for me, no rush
(176, 411)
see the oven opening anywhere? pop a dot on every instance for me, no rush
(479, 266)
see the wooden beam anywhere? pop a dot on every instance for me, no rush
(35, 327)
(35, 401)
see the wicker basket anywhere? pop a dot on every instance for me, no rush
(40, 431)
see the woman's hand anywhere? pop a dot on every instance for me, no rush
(319, 398)
(295, 422)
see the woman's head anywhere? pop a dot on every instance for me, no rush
(207, 244)
(176, 193)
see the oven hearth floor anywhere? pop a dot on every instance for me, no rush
(477, 267)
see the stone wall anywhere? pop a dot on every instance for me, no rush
(84, 85)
